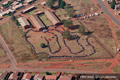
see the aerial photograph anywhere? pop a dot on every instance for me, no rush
(59, 39)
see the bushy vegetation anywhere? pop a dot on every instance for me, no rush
(68, 23)
(50, 2)
(113, 4)
(81, 29)
(7, 5)
(66, 34)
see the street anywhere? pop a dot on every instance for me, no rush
(108, 13)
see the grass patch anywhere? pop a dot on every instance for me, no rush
(16, 42)
(45, 20)
(116, 69)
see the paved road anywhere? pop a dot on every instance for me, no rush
(60, 70)
(8, 53)
(108, 13)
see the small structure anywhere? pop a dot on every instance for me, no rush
(52, 17)
(39, 77)
(65, 77)
(4, 75)
(23, 22)
(43, 3)
(27, 76)
(28, 9)
(17, 6)
(13, 76)
(50, 77)
(37, 22)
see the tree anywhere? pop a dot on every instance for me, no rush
(68, 23)
(81, 29)
(50, 2)
(66, 34)
(13, 18)
(67, 6)
(59, 1)
(70, 12)
(42, 45)
(62, 4)
(17, 23)
(113, 4)
(51, 7)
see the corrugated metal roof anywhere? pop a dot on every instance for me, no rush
(23, 21)
(36, 21)
(52, 17)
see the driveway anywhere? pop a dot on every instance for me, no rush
(108, 13)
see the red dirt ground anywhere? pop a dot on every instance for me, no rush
(113, 62)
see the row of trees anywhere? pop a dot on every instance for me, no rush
(113, 4)
(15, 20)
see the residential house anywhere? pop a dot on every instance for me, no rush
(6, 12)
(117, 7)
(23, 22)
(17, 6)
(4, 75)
(39, 77)
(65, 77)
(14, 76)
(28, 9)
(28, 1)
(117, 1)
(6, 2)
(37, 22)
(51, 16)
(50, 77)
(26, 76)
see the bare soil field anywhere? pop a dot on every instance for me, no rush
(101, 32)
(81, 7)
(16, 42)
(3, 56)
(98, 66)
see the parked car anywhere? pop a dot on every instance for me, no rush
(93, 15)
(101, 12)
(84, 17)
(45, 30)
(87, 16)
(80, 19)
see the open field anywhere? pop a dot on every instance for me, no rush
(16, 42)
(61, 13)
(81, 7)
(3, 56)
(100, 66)
(101, 32)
